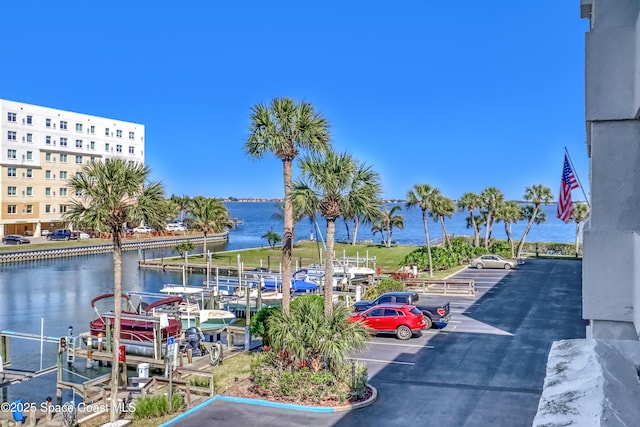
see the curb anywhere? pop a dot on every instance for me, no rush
(268, 403)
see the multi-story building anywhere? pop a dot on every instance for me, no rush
(41, 149)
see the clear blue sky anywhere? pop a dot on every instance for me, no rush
(461, 95)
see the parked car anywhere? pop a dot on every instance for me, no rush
(174, 226)
(60, 234)
(14, 239)
(493, 261)
(142, 229)
(436, 310)
(400, 319)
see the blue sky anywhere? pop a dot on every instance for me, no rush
(461, 95)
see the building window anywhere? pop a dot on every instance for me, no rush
(12, 154)
(29, 173)
(78, 160)
(119, 133)
(47, 208)
(47, 174)
(29, 209)
(11, 209)
(63, 158)
(11, 117)
(78, 143)
(47, 157)
(29, 137)
(63, 191)
(92, 129)
(106, 131)
(92, 145)
(78, 174)
(47, 191)
(63, 174)
(11, 172)
(132, 135)
(11, 190)
(78, 127)
(12, 135)
(132, 150)
(29, 155)
(29, 191)
(29, 120)
(63, 125)
(47, 139)
(47, 123)
(63, 142)
(119, 148)
(63, 208)
(106, 147)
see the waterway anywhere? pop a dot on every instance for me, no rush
(51, 295)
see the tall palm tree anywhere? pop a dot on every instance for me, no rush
(492, 199)
(580, 214)
(108, 195)
(284, 128)
(357, 209)
(388, 220)
(471, 202)
(422, 195)
(209, 216)
(509, 213)
(329, 182)
(536, 194)
(442, 207)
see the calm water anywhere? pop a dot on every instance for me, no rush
(58, 292)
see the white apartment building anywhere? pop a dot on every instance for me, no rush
(41, 148)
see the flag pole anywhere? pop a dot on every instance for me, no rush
(575, 172)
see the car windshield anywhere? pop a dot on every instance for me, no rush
(415, 311)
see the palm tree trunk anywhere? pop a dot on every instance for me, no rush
(428, 242)
(486, 233)
(507, 230)
(346, 226)
(287, 239)
(445, 236)
(204, 244)
(389, 233)
(356, 223)
(476, 231)
(328, 268)
(117, 306)
(526, 230)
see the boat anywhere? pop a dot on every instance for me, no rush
(138, 328)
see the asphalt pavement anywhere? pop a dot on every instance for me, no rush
(486, 367)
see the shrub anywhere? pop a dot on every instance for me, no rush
(384, 285)
(158, 405)
(258, 325)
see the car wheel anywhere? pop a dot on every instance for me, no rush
(428, 323)
(479, 266)
(403, 332)
(507, 267)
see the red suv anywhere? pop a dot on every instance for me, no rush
(401, 319)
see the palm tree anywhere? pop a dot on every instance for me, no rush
(471, 202)
(492, 199)
(357, 209)
(182, 203)
(422, 195)
(442, 207)
(509, 213)
(272, 238)
(284, 128)
(388, 220)
(209, 216)
(329, 182)
(580, 214)
(537, 194)
(108, 195)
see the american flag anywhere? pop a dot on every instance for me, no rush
(565, 205)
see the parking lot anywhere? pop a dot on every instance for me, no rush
(485, 368)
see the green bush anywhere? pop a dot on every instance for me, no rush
(258, 326)
(158, 405)
(384, 285)
(501, 247)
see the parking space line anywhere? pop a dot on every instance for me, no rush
(384, 361)
(402, 345)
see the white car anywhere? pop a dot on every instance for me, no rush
(82, 235)
(142, 229)
(175, 227)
